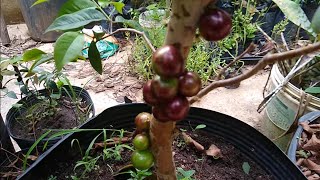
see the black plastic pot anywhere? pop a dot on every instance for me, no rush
(248, 140)
(29, 101)
(5, 141)
(310, 118)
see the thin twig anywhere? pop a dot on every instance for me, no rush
(134, 31)
(266, 35)
(268, 59)
(222, 71)
(268, 38)
(2, 149)
(284, 42)
(190, 141)
(114, 142)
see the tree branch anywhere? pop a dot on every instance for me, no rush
(222, 71)
(267, 59)
(134, 31)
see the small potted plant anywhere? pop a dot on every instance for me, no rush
(58, 106)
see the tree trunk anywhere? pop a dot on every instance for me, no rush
(181, 32)
(4, 36)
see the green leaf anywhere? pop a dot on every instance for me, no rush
(67, 48)
(94, 57)
(17, 105)
(315, 23)
(72, 6)
(76, 20)
(7, 72)
(39, 62)
(98, 35)
(246, 167)
(130, 23)
(12, 95)
(32, 148)
(52, 85)
(55, 96)
(39, 2)
(4, 65)
(118, 5)
(103, 3)
(313, 90)
(32, 54)
(295, 14)
(24, 89)
(200, 126)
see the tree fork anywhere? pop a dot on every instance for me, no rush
(181, 33)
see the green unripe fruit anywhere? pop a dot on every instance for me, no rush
(141, 142)
(142, 160)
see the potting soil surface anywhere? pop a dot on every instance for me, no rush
(230, 166)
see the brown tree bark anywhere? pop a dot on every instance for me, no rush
(181, 32)
(4, 36)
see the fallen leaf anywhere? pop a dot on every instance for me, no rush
(315, 126)
(32, 157)
(312, 165)
(310, 128)
(314, 177)
(214, 151)
(307, 173)
(313, 144)
(299, 161)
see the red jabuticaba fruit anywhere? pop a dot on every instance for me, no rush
(142, 160)
(148, 95)
(142, 121)
(189, 84)
(167, 61)
(215, 24)
(141, 142)
(164, 89)
(177, 109)
(159, 113)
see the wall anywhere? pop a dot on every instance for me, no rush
(11, 11)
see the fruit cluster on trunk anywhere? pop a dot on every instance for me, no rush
(167, 92)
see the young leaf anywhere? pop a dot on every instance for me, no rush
(246, 167)
(94, 57)
(295, 14)
(39, 2)
(313, 90)
(118, 5)
(12, 95)
(200, 126)
(67, 48)
(76, 20)
(33, 54)
(72, 6)
(315, 23)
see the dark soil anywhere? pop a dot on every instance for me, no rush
(186, 157)
(41, 117)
